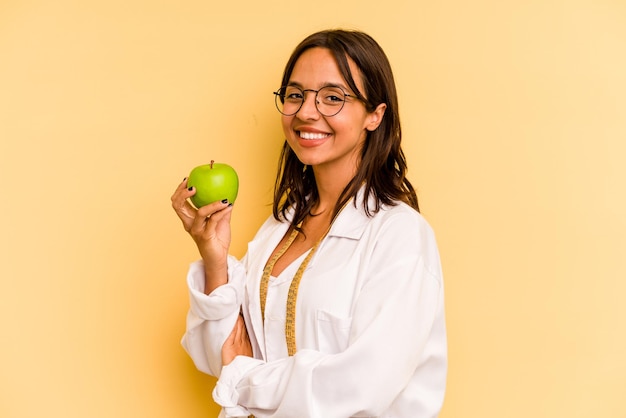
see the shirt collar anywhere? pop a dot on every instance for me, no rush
(350, 222)
(353, 219)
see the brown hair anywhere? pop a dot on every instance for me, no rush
(382, 169)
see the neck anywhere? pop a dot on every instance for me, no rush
(330, 184)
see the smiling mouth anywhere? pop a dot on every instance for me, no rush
(312, 135)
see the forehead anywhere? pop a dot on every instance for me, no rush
(317, 67)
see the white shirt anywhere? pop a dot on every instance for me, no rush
(370, 327)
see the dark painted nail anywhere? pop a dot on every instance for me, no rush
(190, 189)
(225, 201)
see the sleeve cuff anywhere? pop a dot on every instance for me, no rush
(225, 392)
(222, 301)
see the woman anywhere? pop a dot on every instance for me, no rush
(337, 308)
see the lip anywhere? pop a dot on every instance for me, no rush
(311, 137)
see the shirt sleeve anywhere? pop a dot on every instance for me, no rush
(397, 340)
(211, 318)
(225, 392)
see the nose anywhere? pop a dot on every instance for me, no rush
(308, 110)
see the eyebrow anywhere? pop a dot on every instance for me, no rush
(327, 84)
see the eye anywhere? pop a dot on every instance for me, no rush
(293, 94)
(331, 95)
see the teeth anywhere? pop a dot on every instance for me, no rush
(311, 135)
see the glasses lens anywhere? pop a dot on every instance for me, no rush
(330, 100)
(289, 100)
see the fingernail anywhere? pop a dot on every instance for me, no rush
(225, 201)
(190, 189)
(185, 179)
(230, 204)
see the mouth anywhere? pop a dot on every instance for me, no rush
(312, 136)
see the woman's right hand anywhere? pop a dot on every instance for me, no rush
(209, 227)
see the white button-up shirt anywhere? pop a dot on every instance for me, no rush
(370, 327)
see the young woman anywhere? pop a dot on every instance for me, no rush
(337, 308)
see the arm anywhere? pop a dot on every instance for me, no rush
(211, 318)
(215, 300)
(209, 227)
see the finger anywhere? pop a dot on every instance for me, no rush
(234, 337)
(185, 211)
(238, 326)
(219, 223)
(181, 194)
(243, 335)
(230, 340)
(212, 208)
(244, 343)
(207, 217)
(182, 186)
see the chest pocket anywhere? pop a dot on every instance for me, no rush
(333, 332)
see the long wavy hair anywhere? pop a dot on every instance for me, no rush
(382, 167)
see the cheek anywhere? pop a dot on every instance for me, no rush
(349, 127)
(286, 124)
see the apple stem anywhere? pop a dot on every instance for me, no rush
(212, 161)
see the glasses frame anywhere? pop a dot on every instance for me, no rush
(278, 96)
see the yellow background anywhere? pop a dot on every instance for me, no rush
(514, 114)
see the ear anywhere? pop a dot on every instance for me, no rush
(376, 117)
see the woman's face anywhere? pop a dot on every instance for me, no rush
(328, 142)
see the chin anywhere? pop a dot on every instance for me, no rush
(309, 159)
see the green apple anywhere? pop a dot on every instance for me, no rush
(213, 182)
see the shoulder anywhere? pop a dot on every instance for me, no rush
(404, 217)
(401, 231)
(354, 220)
(403, 223)
(397, 222)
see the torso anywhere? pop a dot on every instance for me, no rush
(313, 229)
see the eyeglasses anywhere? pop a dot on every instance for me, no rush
(329, 100)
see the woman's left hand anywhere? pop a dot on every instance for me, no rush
(237, 343)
